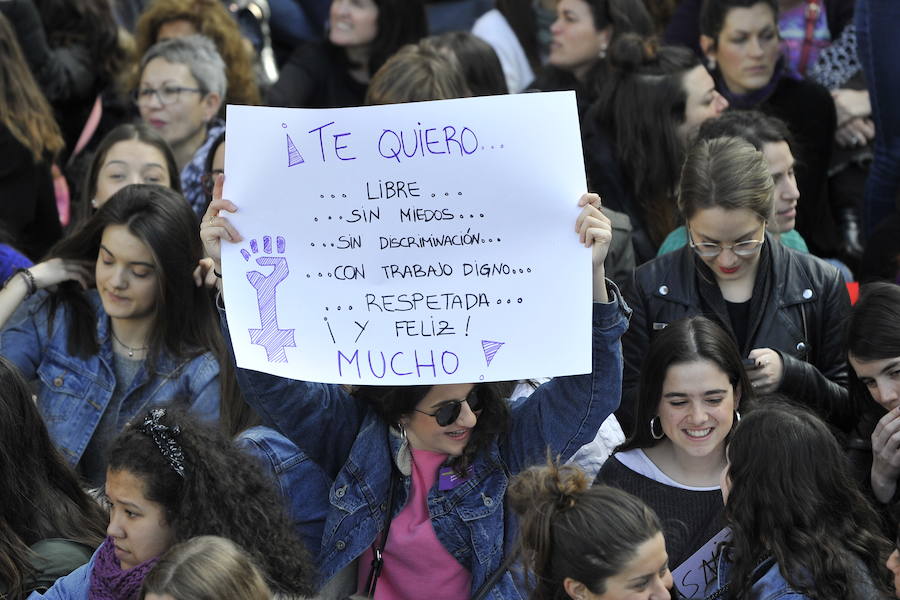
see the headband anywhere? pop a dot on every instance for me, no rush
(164, 438)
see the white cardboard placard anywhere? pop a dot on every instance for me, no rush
(409, 244)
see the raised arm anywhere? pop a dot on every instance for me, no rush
(565, 413)
(321, 419)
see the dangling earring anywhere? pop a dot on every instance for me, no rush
(711, 63)
(737, 416)
(94, 203)
(653, 423)
(602, 54)
(402, 432)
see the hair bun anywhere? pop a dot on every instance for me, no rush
(547, 488)
(631, 50)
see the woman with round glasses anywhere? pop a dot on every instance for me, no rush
(783, 308)
(420, 473)
(182, 85)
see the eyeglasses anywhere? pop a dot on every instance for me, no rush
(208, 180)
(710, 250)
(448, 413)
(166, 95)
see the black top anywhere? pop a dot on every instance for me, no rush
(27, 200)
(689, 518)
(739, 315)
(316, 77)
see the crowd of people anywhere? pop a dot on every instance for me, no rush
(742, 412)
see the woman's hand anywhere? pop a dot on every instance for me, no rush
(769, 371)
(855, 133)
(851, 104)
(886, 456)
(595, 231)
(57, 270)
(205, 273)
(215, 228)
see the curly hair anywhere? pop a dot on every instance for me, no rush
(23, 108)
(393, 402)
(223, 493)
(570, 530)
(41, 496)
(792, 496)
(211, 19)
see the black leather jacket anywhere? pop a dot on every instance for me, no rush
(801, 320)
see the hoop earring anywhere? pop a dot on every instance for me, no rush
(737, 416)
(653, 422)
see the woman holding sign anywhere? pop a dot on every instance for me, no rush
(691, 390)
(800, 527)
(420, 472)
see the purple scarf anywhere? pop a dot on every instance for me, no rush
(753, 99)
(110, 582)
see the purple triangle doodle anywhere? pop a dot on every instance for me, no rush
(490, 349)
(294, 157)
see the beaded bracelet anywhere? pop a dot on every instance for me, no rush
(29, 280)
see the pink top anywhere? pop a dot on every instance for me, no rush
(416, 565)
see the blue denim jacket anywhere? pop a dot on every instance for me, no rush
(770, 584)
(292, 471)
(347, 440)
(74, 392)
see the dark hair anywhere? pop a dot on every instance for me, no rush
(416, 73)
(625, 16)
(714, 12)
(872, 329)
(792, 496)
(393, 402)
(140, 132)
(570, 530)
(640, 105)
(206, 568)
(686, 340)
(753, 126)
(185, 323)
(41, 496)
(727, 173)
(208, 164)
(400, 22)
(223, 492)
(479, 62)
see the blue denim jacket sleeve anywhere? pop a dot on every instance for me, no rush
(299, 480)
(322, 419)
(74, 586)
(566, 412)
(204, 388)
(24, 338)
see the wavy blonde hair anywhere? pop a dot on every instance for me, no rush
(23, 108)
(211, 19)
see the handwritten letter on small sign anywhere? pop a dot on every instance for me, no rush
(409, 244)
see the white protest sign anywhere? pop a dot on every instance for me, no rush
(409, 244)
(696, 577)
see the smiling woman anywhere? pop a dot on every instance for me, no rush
(692, 387)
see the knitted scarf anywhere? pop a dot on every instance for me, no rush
(110, 582)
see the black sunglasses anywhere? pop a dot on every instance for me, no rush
(448, 413)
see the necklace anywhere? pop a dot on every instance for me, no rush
(131, 350)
